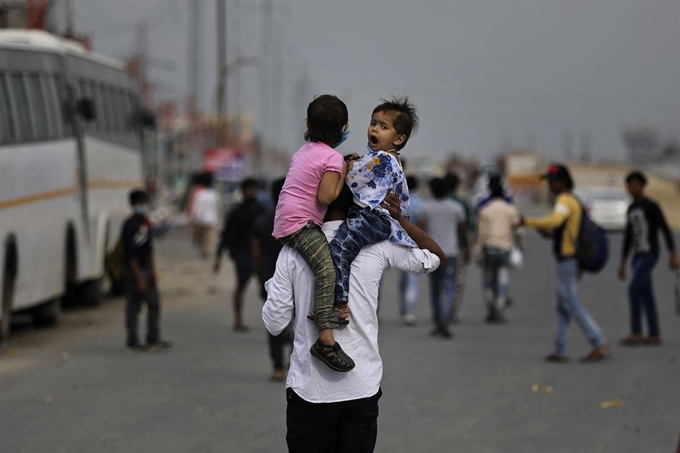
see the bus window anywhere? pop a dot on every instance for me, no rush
(127, 110)
(112, 122)
(99, 108)
(23, 115)
(6, 123)
(56, 121)
(120, 110)
(85, 93)
(63, 104)
(38, 107)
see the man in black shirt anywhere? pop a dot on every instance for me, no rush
(265, 253)
(140, 275)
(645, 219)
(236, 237)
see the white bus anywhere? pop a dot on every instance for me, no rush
(71, 135)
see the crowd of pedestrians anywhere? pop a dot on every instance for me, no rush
(340, 222)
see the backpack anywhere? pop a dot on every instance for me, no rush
(592, 246)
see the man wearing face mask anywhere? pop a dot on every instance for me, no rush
(140, 276)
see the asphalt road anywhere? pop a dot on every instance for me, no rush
(75, 389)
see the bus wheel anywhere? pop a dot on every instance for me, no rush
(48, 314)
(6, 306)
(91, 293)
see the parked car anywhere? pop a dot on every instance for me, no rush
(607, 206)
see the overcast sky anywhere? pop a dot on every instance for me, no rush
(483, 73)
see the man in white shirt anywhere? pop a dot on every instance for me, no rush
(329, 411)
(204, 216)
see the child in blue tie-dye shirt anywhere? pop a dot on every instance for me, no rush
(371, 178)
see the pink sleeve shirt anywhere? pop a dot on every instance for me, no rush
(299, 203)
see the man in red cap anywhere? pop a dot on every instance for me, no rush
(563, 225)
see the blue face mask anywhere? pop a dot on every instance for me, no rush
(345, 136)
(141, 209)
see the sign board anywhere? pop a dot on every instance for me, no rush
(226, 164)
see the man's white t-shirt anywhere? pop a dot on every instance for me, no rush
(291, 293)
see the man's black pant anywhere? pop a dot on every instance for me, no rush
(134, 303)
(346, 427)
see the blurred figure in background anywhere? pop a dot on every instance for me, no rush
(563, 225)
(644, 222)
(444, 220)
(495, 234)
(265, 253)
(204, 216)
(140, 276)
(237, 237)
(453, 183)
(409, 283)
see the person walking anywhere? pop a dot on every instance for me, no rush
(326, 413)
(236, 237)
(140, 276)
(444, 220)
(265, 253)
(563, 225)
(453, 182)
(644, 221)
(205, 211)
(496, 237)
(409, 283)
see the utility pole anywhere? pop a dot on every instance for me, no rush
(195, 48)
(68, 17)
(238, 96)
(264, 123)
(221, 70)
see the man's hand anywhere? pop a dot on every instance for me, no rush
(217, 266)
(674, 261)
(351, 157)
(547, 234)
(393, 205)
(142, 286)
(622, 271)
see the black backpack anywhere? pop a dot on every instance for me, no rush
(592, 246)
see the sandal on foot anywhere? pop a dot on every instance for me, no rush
(597, 355)
(555, 358)
(333, 356)
(653, 341)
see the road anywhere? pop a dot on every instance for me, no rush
(75, 389)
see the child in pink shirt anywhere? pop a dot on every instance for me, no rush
(315, 178)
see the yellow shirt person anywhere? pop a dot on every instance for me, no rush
(567, 209)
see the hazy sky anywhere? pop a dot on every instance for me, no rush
(482, 72)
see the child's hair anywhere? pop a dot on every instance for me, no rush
(439, 188)
(326, 117)
(636, 176)
(406, 118)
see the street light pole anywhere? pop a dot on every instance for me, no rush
(221, 69)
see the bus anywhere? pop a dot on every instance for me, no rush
(71, 146)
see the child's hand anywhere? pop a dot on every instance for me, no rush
(351, 157)
(393, 205)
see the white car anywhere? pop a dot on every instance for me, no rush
(607, 206)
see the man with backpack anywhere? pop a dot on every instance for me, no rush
(565, 225)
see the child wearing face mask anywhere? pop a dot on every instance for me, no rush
(371, 178)
(315, 179)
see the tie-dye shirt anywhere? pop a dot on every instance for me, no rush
(371, 178)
